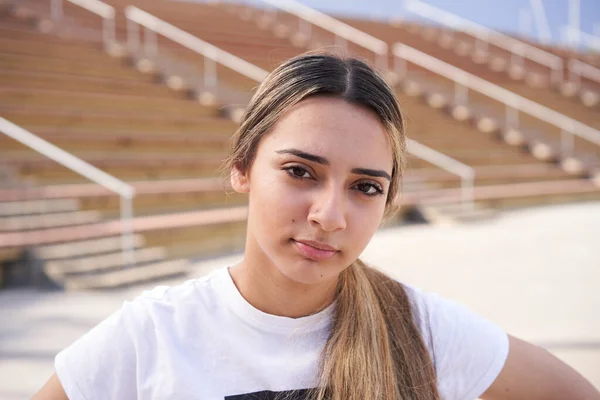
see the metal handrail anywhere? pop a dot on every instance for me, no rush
(75, 164)
(212, 54)
(465, 172)
(96, 7)
(517, 48)
(250, 70)
(338, 28)
(513, 102)
(578, 68)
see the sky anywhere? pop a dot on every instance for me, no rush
(500, 15)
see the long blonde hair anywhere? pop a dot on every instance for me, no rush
(374, 350)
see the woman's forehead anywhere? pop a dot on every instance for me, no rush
(333, 128)
(327, 110)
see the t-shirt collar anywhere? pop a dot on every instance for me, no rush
(269, 322)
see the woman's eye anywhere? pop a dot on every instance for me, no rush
(297, 172)
(370, 189)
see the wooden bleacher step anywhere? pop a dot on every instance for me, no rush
(48, 220)
(84, 247)
(446, 214)
(98, 264)
(101, 263)
(129, 276)
(15, 208)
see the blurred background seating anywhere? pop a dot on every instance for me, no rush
(152, 95)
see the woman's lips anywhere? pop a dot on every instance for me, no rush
(311, 252)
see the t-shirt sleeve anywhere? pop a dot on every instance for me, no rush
(102, 363)
(468, 350)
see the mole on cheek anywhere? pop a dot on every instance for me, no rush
(293, 220)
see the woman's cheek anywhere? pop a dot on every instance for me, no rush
(281, 198)
(363, 223)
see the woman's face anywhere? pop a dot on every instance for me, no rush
(317, 189)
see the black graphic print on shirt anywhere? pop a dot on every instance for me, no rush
(269, 395)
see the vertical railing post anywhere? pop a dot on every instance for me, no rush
(108, 32)
(566, 143)
(210, 72)
(574, 16)
(400, 66)
(150, 45)
(461, 94)
(512, 117)
(557, 74)
(133, 35)
(381, 60)
(468, 191)
(127, 245)
(567, 139)
(574, 73)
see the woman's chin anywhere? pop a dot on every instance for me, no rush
(309, 272)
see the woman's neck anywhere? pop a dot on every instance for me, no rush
(267, 289)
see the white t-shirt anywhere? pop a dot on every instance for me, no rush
(203, 340)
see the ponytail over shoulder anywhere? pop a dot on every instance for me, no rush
(375, 350)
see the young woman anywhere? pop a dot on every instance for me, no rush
(320, 153)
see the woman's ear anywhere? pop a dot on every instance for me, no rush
(239, 180)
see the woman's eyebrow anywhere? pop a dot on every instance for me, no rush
(372, 172)
(324, 161)
(305, 155)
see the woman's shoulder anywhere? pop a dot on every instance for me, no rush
(442, 319)
(467, 349)
(433, 308)
(140, 330)
(160, 308)
(191, 292)
(423, 303)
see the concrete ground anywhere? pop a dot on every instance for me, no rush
(535, 272)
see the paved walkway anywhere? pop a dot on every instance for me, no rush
(535, 272)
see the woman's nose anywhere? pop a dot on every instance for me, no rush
(328, 211)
